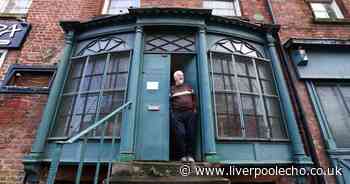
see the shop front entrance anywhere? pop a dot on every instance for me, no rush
(155, 133)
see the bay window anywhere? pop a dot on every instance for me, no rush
(96, 85)
(246, 101)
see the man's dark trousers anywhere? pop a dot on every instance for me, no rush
(184, 123)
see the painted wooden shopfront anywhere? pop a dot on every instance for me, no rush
(245, 114)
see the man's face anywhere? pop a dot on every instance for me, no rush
(179, 78)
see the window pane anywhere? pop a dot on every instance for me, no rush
(253, 112)
(272, 106)
(345, 90)
(277, 128)
(321, 14)
(229, 125)
(60, 126)
(318, 7)
(336, 10)
(327, 10)
(245, 66)
(110, 102)
(248, 85)
(119, 6)
(75, 75)
(17, 6)
(94, 73)
(228, 115)
(222, 7)
(117, 75)
(337, 114)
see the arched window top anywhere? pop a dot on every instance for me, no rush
(103, 45)
(231, 45)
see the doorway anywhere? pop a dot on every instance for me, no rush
(154, 132)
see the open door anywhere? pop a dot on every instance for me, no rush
(187, 64)
(153, 127)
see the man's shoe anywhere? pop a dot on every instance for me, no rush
(184, 159)
(190, 159)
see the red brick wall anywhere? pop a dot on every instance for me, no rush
(45, 40)
(20, 115)
(296, 19)
(250, 8)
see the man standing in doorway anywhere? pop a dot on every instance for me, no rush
(183, 102)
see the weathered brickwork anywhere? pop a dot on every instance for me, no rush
(45, 40)
(296, 19)
(20, 115)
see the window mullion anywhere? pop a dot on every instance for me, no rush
(213, 91)
(342, 98)
(266, 122)
(127, 79)
(100, 96)
(239, 100)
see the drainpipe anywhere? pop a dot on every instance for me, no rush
(269, 5)
(294, 93)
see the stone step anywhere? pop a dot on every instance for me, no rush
(139, 172)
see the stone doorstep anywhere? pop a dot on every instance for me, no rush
(160, 172)
(154, 168)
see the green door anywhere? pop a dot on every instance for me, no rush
(153, 126)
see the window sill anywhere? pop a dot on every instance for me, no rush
(332, 21)
(13, 15)
(24, 90)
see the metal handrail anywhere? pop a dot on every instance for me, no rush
(82, 135)
(93, 126)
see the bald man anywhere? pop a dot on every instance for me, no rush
(183, 102)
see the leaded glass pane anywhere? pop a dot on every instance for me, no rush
(99, 45)
(230, 45)
(170, 42)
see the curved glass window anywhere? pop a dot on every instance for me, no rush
(246, 101)
(95, 86)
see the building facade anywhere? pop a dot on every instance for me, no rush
(85, 87)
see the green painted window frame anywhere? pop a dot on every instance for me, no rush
(320, 113)
(255, 58)
(108, 52)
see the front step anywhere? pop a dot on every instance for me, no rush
(139, 172)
